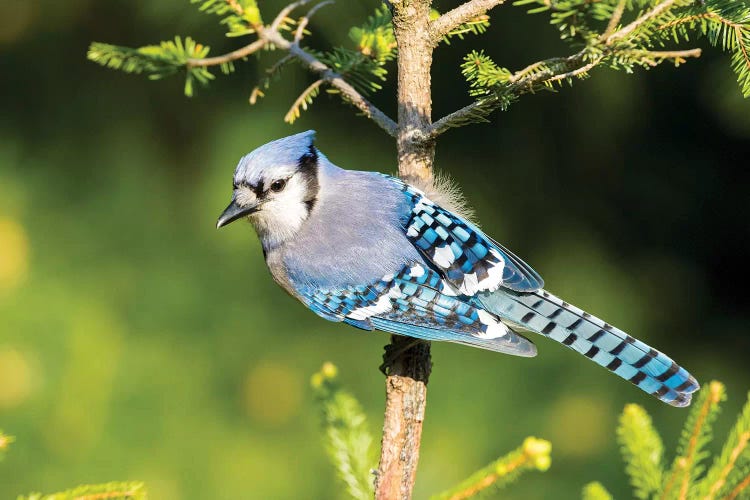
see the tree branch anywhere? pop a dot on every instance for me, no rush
(525, 80)
(458, 16)
(332, 78)
(272, 36)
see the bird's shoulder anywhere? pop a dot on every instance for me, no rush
(353, 236)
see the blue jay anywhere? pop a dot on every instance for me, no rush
(379, 254)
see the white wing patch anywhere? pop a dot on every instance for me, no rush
(495, 328)
(494, 279)
(446, 288)
(443, 256)
(382, 305)
(416, 271)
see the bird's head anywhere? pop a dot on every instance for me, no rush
(276, 187)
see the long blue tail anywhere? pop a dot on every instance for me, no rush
(625, 356)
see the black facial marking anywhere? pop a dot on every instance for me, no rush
(257, 188)
(308, 170)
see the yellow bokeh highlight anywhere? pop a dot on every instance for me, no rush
(272, 392)
(14, 254)
(579, 426)
(16, 378)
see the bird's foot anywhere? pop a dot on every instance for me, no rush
(394, 351)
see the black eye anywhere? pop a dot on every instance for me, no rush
(278, 185)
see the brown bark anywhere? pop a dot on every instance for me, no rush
(406, 399)
(411, 25)
(408, 362)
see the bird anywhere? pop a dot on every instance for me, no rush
(378, 253)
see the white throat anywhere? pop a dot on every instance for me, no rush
(281, 216)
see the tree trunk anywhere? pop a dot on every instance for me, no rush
(408, 362)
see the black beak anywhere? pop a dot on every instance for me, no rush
(234, 212)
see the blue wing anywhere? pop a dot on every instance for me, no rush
(416, 302)
(469, 259)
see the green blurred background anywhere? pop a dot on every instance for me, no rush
(137, 342)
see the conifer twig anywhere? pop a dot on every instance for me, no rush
(642, 451)
(624, 32)
(739, 489)
(302, 101)
(733, 456)
(576, 65)
(332, 78)
(614, 20)
(687, 461)
(299, 33)
(716, 17)
(458, 16)
(678, 55)
(683, 464)
(532, 454)
(229, 57)
(272, 36)
(284, 13)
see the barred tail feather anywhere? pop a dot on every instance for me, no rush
(625, 356)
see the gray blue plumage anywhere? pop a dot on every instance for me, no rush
(374, 252)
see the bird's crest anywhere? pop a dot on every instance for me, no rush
(279, 155)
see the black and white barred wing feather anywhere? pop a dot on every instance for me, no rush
(416, 302)
(468, 259)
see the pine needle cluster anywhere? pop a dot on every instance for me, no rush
(156, 61)
(619, 34)
(347, 439)
(349, 447)
(728, 476)
(241, 17)
(533, 454)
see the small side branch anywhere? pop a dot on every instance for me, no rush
(522, 82)
(300, 32)
(332, 78)
(656, 57)
(627, 30)
(742, 442)
(614, 21)
(545, 73)
(458, 16)
(473, 112)
(271, 36)
(226, 58)
(735, 493)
